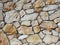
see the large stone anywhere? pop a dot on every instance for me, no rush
(30, 17)
(9, 29)
(3, 38)
(55, 15)
(58, 43)
(34, 39)
(48, 25)
(12, 16)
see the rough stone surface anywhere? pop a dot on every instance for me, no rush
(1, 16)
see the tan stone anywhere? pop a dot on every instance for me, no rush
(9, 29)
(36, 29)
(8, 6)
(50, 2)
(58, 29)
(34, 39)
(4, 0)
(1, 16)
(3, 39)
(25, 30)
(49, 25)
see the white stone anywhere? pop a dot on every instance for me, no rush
(52, 44)
(27, 23)
(50, 12)
(50, 7)
(22, 37)
(58, 43)
(1, 24)
(58, 24)
(32, 1)
(29, 11)
(30, 17)
(46, 32)
(1, 5)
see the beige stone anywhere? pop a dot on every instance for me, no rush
(4, 0)
(1, 16)
(25, 30)
(9, 29)
(3, 39)
(49, 25)
(44, 15)
(58, 29)
(34, 39)
(36, 29)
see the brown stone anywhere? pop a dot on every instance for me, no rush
(9, 29)
(4, 0)
(58, 29)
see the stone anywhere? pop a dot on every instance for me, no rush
(16, 24)
(50, 7)
(34, 23)
(44, 15)
(58, 24)
(50, 39)
(36, 29)
(8, 6)
(55, 15)
(46, 32)
(1, 16)
(52, 44)
(15, 41)
(31, 44)
(32, 1)
(25, 30)
(26, 23)
(41, 35)
(35, 39)
(1, 24)
(22, 37)
(27, 6)
(4, 0)
(28, 11)
(50, 2)
(42, 43)
(24, 41)
(51, 12)
(15, 1)
(3, 38)
(1, 6)
(19, 5)
(48, 25)
(12, 16)
(57, 20)
(58, 29)
(22, 13)
(30, 17)
(9, 29)
(58, 43)
(26, 1)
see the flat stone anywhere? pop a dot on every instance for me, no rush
(26, 23)
(3, 38)
(22, 37)
(44, 15)
(52, 44)
(57, 20)
(30, 17)
(1, 24)
(46, 32)
(34, 39)
(29, 11)
(26, 1)
(9, 29)
(55, 15)
(19, 5)
(9, 6)
(50, 39)
(15, 41)
(12, 16)
(58, 43)
(1, 16)
(48, 25)
(36, 29)
(58, 29)
(51, 12)
(1, 5)
(34, 23)
(50, 7)
(25, 30)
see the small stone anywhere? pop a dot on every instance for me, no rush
(57, 20)
(30, 17)
(19, 5)
(58, 24)
(15, 1)
(26, 1)
(25, 30)
(44, 15)
(3, 38)
(32, 1)
(55, 15)
(1, 24)
(52, 44)
(29, 11)
(27, 6)
(9, 29)
(46, 32)
(48, 25)
(26, 23)
(34, 23)
(34, 39)
(9, 6)
(1, 5)
(51, 12)
(22, 13)
(31, 44)
(15, 41)
(58, 29)
(58, 43)
(50, 39)
(4, 0)
(12, 16)
(22, 37)
(42, 43)
(50, 7)
(1, 16)
(36, 29)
